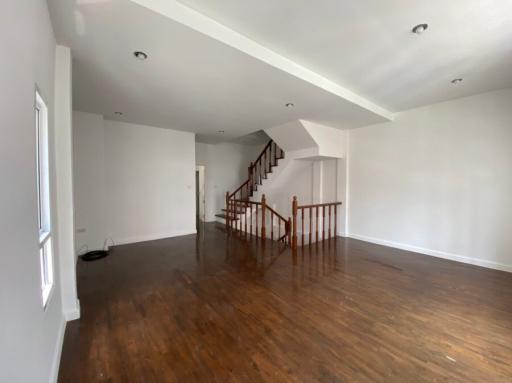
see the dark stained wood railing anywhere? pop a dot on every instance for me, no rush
(239, 207)
(258, 171)
(252, 218)
(313, 217)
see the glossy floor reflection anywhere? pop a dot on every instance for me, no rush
(213, 308)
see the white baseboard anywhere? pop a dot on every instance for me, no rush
(153, 237)
(434, 253)
(73, 313)
(54, 374)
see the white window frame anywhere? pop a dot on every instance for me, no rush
(43, 199)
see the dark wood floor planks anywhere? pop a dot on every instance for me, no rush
(212, 308)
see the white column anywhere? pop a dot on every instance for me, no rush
(341, 195)
(317, 184)
(64, 183)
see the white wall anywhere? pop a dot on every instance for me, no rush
(133, 183)
(150, 182)
(438, 180)
(30, 337)
(309, 140)
(90, 179)
(226, 168)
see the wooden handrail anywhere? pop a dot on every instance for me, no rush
(276, 214)
(323, 207)
(239, 189)
(319, 205)
(263, 151)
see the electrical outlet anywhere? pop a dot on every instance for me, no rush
(81, 230)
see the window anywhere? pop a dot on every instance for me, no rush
(43, 199)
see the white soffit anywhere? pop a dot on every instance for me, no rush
(201, 23)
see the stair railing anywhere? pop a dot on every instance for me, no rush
(315, 216)
(253, 218)
(258, 170)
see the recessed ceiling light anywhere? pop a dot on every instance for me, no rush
(220, 131)
(118, 113)
(140, 55)
(420, 28)
(456, 81)
(289, 105)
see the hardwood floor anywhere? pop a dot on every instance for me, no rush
(217, 309)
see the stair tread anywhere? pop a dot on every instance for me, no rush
(234, 218)
(240, 211)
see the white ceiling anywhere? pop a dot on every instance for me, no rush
(367, 45)
(253, 139)
(190, 82)
(342, 63)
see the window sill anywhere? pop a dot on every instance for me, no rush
(43, 237)
(47, 294)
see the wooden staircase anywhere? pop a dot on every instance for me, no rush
(312, 224)
(239, 207)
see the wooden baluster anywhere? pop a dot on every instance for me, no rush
(335, 220)
(227, 212)
(329, 221)
(317, 224)
(265, 160)
(294, 222)
(270, 157)
(238, 208)
(263, 207)
(279, 230)
(323, 223)
(245, 217)
(302, 234)
(231, 216)
(288, 229)
(250, 220)
(250, 178)
(232, 222)
(310, 225)
(271, 225)
(257, 222)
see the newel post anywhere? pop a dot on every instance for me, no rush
(294, 217)
(263, 208)
(227, 212)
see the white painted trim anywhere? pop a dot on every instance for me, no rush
(347, 184)
(211, 28)
(54, 373)
(73, 313)
(434, 253)
(153, 237)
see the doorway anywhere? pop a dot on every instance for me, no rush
(200, 197)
